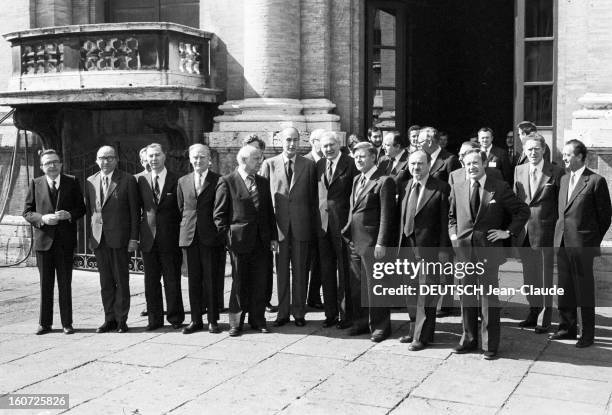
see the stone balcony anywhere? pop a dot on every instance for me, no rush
(110, 62)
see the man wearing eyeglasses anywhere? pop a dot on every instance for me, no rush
(111, 197)
(53, 205)
(442, 162)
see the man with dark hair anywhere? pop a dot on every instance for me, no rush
(395, 159)
(159, 240)
(460, 175)
(537, 184)
(442, 163)
(370, 232)
(584, 218)
(497, 157)
(111, 198)
(526, 129)
(478, 206)
(375, 137)
(53, 206)
(413, 137)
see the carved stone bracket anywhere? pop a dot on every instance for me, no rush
(42, 121)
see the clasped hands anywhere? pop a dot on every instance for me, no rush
(54, 218)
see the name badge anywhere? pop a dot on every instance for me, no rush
(492, 164)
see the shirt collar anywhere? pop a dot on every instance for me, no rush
(370, 172)
(399, 155)
(422, 181)
(161, 175)
(579, 172)
(56, 180)
(434, 155)
(242, 172)
(335, 160)
(538, 166)
(286, 159)
(482, 181)
(110, 175)
(203, 174)
(315, 156)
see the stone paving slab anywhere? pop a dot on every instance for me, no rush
(562, 388)
(413, 405)
(521, 405)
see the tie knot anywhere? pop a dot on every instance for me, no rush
(251, 177)
(476, 184)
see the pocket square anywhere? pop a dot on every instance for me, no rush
(168, 194)
(492, 201)
(548, 184)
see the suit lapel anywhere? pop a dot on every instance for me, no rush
(368, 186)
(340, 168)
(61, 191)
(167, 183)
(298, 168)
(45, 192)
(112, 185)
(544, 178)
(582, 183)
(487, 195)
(563, 192)
(524, 179)
(428, 192)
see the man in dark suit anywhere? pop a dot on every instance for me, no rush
(244, 214)
(395, 161)
(111, 198)
(335, 175)
(53, 206)
(424, 227)
(442, 162)
(201, 242)
(459, 175)
(375, 138)
(144, 162)
(584, 218)
(370, 231)
(294, 197)
(537, 184)
(159, 235)
(528, 129)
(314, 286)
(476, 219)
(497, 157)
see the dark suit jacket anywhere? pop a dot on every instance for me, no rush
(236, 216)
(38, 203)
(498, 158)
(296, 203)
(159, 222)
(543, 206)
(117, 217)
(458, 175)
(444, 164)
(372, 216)
(431, 219)
(497, 201)
(338, 195)
(585, 218)
(197, 211)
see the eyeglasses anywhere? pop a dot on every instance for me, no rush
(52, 163)
(107, 158)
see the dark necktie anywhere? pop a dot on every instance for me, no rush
(289, 171)
(252, 186)
(103, 188)
(156, 189)
(360, 186)
(413, 199)
(475, 199)
(328, 172)
(53, 193)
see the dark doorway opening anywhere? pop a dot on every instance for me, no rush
(460, 56)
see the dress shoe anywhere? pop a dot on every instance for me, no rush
(541, 329)
(416, 346)
(122, 327)
(464, 348)
(406, 339)
(223, 309)
(330, 322)
(300, 322)
(151, 327)
(177, 326)
(213, 328)
(562, 335)
(271, 308)
(43, 330)
(315, 304)
(262, 329)
(279, 322)
(107, 326)
(68, 330)
(489, 355)
(144, 313)
(344, 324)
(193, 327)
(379, 335)
(528, 322)
(358, 330)
(582, 343)
(234, 332)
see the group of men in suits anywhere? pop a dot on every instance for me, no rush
(325, 219)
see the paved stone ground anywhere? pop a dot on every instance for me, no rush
(307, 370)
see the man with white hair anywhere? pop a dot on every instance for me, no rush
(244, 214)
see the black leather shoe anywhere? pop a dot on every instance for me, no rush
(152, 327)
(344, 324)
(271, 308)
(358, 330)
(541, 329)
(300, 322)
(379, 335)
(528, 322)
(330, 322)
(406, 339)
(122, 328)
(193, 327)
(562, 335)
(107, 326)
(213, 328)
(416, 346)
(43, 330)
(177, 326)
(144, 313)
(315, 304)
(234, 332)
(68, 330)
(263, 329)
(279, 322)
(489, 355)
(582, 343)
(461, 349)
